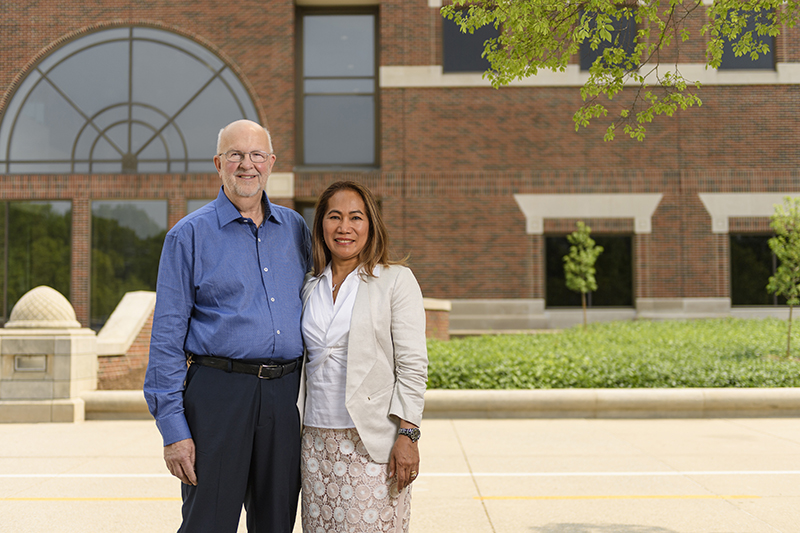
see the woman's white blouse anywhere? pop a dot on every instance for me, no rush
(326, 328)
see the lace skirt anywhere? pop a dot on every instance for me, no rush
(344, 490)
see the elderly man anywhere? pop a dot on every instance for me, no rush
(228, 304)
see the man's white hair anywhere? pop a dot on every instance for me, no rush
(219, 139)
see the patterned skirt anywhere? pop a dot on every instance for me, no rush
(344, 490)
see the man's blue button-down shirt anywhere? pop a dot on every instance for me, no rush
(225, 288)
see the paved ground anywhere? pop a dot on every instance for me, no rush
(479, 476)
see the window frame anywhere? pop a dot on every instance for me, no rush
(40, 74)
(776, 299)
(5, 212)
(485, 29)
(631, 238)
(301, 12)
(744, 62)
(97, 321)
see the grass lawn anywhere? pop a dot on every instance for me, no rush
(695, 353)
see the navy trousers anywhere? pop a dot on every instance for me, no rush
(246, 432)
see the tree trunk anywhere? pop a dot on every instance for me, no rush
(789, 334)
(583, 304)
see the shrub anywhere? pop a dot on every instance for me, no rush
(697, 353)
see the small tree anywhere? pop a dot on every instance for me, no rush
(786, 247)
(579, 263)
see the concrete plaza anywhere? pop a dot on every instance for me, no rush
(733, 475)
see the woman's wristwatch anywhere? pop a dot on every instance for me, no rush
(412, 433)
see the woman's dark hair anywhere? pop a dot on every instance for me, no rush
(375, 252)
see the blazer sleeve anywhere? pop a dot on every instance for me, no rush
(410, 349)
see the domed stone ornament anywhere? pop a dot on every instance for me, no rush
(43, 308)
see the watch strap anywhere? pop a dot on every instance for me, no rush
(412, 433)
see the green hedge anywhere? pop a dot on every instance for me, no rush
(696, 353)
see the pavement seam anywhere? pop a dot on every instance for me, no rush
(741, 423)
(732, 503)
(472, 476)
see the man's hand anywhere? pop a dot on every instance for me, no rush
(404, 462)
(179, 457)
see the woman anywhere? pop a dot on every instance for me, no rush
(365, 371)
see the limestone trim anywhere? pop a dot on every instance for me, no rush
(436, 304)
(724, 205)
(484, 316)
(404, 76)
(280, 185)
(682, 308)
(42, 307)
(125, 323)
(338, 3)
(639, 207)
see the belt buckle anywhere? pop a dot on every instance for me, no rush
(269, 367)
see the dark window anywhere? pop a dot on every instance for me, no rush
(306, 209)
(124, 100)
(752, 264)
(194, 205)
(36, 249)
(623, 36)
(462, 51)
(764, 61)
(127, 237)
(339, 89)
(614, 273)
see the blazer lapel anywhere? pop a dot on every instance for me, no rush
(361, 347)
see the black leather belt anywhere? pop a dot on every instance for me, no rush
(274, 371)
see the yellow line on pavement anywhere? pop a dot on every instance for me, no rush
(89, 499)
(627, 497)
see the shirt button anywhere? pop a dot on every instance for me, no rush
(272, 299)
(279, 332)
(266, 269)
(259, 240)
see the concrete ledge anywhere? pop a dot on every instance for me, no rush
(436, 304)
(613, 403)
(115, 405)
(37, 411)
(553, 403)
(125, 323)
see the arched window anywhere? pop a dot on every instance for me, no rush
(122, 100)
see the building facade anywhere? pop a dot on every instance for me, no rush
(109, 113)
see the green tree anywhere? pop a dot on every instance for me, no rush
(579, 263)
(546, 34)
(786, 247)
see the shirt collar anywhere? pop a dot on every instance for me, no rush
(376, 272)
(227, 212)
(327, 273)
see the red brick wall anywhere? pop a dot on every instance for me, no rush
(126, 371)
(452, 158)
(437, 325)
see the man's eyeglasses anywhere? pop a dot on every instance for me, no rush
(235, 156)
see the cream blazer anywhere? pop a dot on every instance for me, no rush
(387, 357)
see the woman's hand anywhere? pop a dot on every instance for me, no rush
(404, 461)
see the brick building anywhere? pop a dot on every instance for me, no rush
(109, 113)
